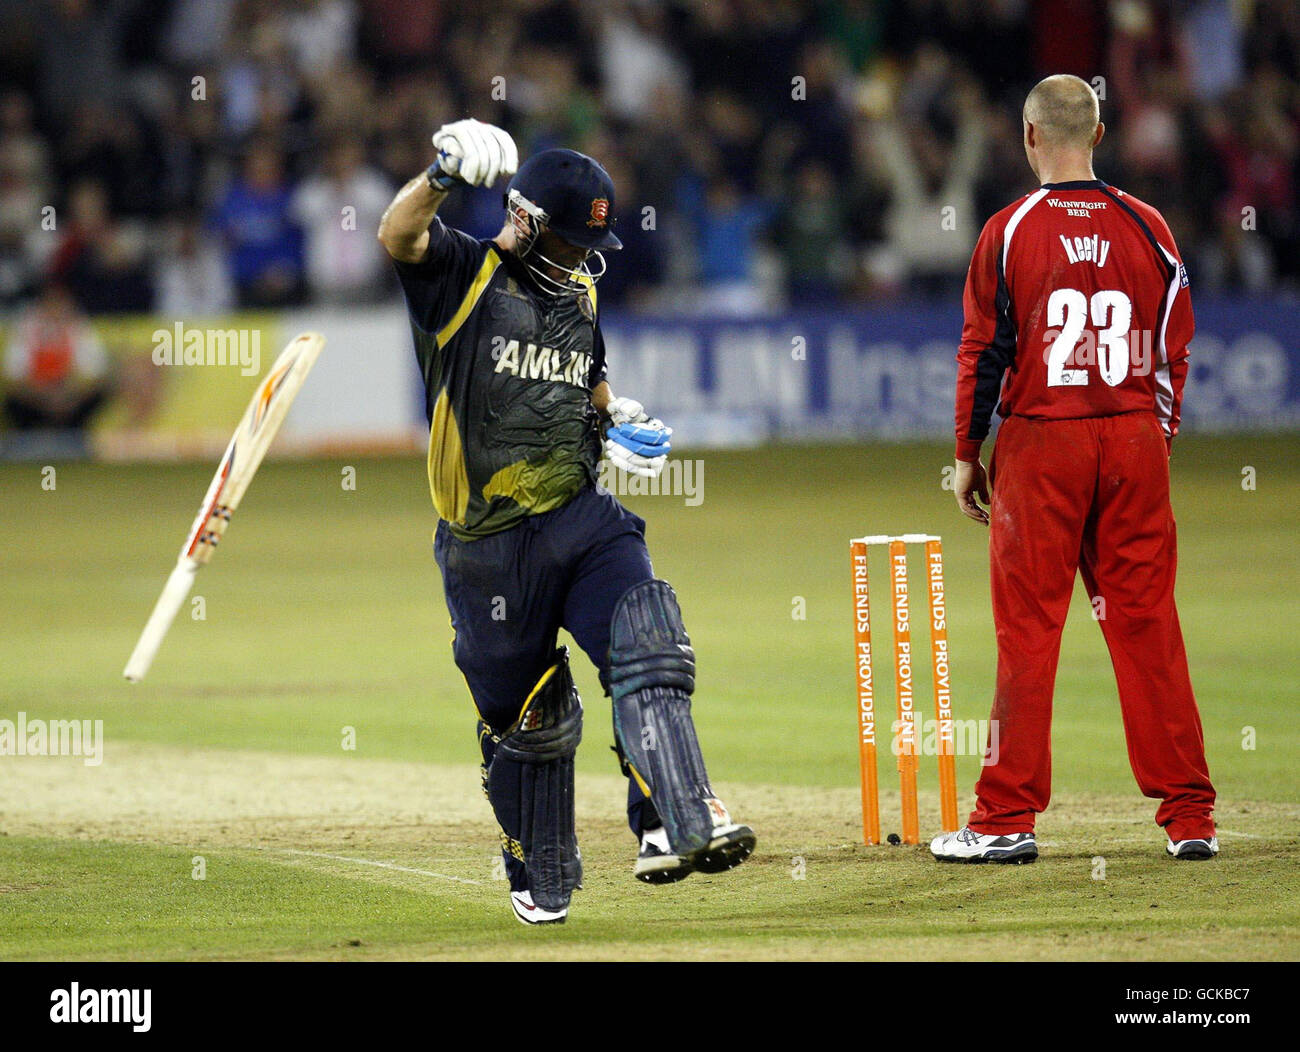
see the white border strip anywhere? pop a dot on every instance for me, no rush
(1014, 222)
(371, 862)
(1164, 385)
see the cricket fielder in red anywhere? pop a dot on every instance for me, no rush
(1077, 320)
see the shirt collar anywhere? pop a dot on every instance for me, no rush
(1077, 184)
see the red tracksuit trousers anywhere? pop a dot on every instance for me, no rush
(1090, 496)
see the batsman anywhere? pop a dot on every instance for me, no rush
(508, 340)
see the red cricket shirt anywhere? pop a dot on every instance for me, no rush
(1076, 305)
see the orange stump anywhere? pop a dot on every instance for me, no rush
(906, 736)
(866, 696)
(905, 727)
(946, 738)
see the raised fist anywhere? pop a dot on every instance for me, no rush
(474, 153)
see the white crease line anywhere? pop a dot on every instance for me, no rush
(371, 862)
(1141, 839)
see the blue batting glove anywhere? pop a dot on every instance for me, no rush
(642, 440)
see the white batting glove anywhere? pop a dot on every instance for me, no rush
(634, 442)
(625, 411)
(474, 152)
(634, 463)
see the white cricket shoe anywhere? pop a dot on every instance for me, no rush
(1196, 850)
(966, 845)
(529, 912)
(656, 863)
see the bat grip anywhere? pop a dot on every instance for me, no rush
(164, 613)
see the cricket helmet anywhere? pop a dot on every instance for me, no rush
(572, 195)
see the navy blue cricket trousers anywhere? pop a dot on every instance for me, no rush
(511, 592)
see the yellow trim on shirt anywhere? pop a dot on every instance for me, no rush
(448, 474)
(475, 292)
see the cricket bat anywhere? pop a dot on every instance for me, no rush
(248, 445)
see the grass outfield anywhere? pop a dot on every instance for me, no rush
(324, 612)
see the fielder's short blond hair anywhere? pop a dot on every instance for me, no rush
(1064, 110)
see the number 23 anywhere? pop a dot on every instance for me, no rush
(1068, 310)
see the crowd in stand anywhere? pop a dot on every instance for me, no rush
(190, 156)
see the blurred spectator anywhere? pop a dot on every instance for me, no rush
(99, 260)
(20, 211)
(728, 223)
(190, 163)
(1210, 37)
(320, 34)
(659, 152)
(24, 191)
(1235, 261)
(1147, 74)
(55, 367)
(190, 273)
(554, 107)
(635, 56)
(259, 89)
(809, 237)
(931, 221)
(340, 208)
(820, 120)
(254, 219)
(735, 138)
(1258, 155)
(25, 152)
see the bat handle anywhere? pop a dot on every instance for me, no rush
(164, 613)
